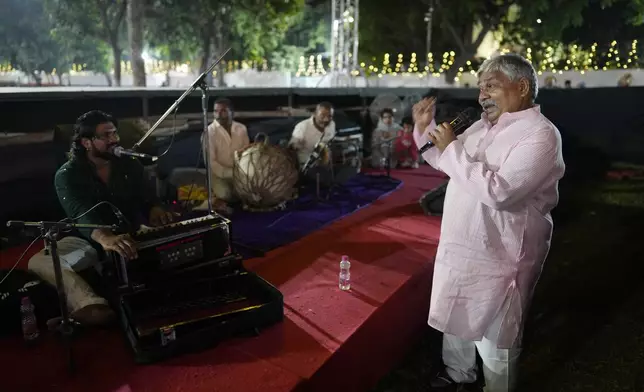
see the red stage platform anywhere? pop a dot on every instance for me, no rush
(329, 340)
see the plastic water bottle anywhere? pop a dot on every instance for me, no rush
(30, 330)
(345, 274)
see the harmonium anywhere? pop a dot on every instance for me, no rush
(188, 290)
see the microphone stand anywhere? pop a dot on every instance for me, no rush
(200, 82)
(390, 147)
(50, 232)
(388, 154)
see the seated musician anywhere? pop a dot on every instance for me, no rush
(90, 176)
(307, 134)
(405, 150)
(380, 148)
(225, 137)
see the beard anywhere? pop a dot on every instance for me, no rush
(223, 120)
(321, 124)
(106, 154)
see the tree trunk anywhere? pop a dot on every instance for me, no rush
(206, 50)
(135, 10)
(459, 61)
(37, 78)
(116, 54)
(219, 43)
(168, 80)
(469, 46)
(108, 78)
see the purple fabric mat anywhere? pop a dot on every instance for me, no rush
(256, 232)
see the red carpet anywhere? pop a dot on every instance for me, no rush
(329, 340)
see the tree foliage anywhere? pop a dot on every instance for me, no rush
(311, 28)
(53, 34)
(387, 26)
(252, 28)
(261, 26)
(100, 20)
(25, 39)
(579, 22)
(462, 25)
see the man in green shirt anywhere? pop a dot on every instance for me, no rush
(95, 175)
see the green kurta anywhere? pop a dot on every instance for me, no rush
(79, 189)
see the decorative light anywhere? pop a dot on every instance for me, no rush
(319, 68)
(413, 65)
(300, 67)
(430, 62)
(310, 70)
(386, 63)
(547, 58)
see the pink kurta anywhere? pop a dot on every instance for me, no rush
(496, 225)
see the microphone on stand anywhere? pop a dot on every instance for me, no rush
(459, 125)
(120, 151)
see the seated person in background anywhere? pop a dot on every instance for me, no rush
(386, 129)
(225, 137)
(309, 132)
(93, 175)
(405, 150)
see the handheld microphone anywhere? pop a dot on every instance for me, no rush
(120, 151)
(459, 125)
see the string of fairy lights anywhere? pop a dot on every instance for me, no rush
(546, 59)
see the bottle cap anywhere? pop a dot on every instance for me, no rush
(25, 301)
(345, 258)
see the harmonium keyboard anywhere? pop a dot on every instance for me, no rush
(188, 290)
(167, 250)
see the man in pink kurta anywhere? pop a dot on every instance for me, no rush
(496, 228)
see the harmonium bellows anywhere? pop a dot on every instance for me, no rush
(187, 290)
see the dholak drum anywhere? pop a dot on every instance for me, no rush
(264, 176)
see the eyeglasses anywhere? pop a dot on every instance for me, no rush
(108, 135)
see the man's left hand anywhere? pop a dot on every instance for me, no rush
(442, 136)
(159, 216)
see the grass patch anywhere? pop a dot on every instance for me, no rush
(586, 326)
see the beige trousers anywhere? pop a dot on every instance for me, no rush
(76, 254)
(222, 188)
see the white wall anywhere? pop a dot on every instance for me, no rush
(272, 79)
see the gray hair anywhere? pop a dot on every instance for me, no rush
(514, 67)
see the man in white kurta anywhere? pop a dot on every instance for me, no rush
(496, 227)
(318, 128)
(225, 136)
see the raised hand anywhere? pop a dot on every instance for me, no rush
(423, 112)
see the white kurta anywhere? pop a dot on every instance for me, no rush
(306, 135)
(223, 146)
(496, 227)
